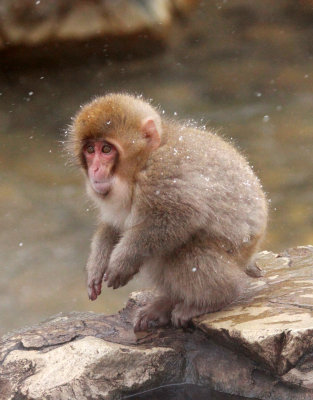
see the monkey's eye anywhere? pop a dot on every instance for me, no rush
(106, 148)
(90, 149)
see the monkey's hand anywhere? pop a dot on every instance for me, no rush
(101, 248)
(122, 268)
(118, 276)
(94, 283)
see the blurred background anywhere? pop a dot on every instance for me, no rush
(245, 68)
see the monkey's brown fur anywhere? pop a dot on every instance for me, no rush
(191, 211)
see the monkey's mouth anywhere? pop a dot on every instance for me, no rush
(102, 188)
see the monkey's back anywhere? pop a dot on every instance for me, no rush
(201, 171)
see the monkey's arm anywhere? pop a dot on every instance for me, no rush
(101, 248)
(161, 229)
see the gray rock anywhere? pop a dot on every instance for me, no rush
(34, 23)
(275, 327)
(260, 347)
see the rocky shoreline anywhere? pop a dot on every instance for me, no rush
(260, 347)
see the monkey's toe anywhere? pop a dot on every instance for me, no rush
(181, 316)
(145, 321)
(141, 324)
(180, 322)
(254, 271)
(149, 320)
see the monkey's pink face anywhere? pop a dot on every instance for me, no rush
(100, 157)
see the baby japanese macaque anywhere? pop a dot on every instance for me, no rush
(180, 202)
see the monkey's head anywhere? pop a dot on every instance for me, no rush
(113, 136)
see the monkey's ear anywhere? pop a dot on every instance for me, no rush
(151, 133)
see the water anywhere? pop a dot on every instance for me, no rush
(255, 93)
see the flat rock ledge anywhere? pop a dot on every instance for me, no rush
(261, 347)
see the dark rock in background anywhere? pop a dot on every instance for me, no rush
(36, 30)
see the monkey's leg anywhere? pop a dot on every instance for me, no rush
(101, 248)
(155, 314)
(202, 279)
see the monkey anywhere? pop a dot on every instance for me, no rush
(178, 201)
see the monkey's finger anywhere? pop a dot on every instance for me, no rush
(98, 288)
(110, 280)
(91, 293)
(116, 284)
(123, 280)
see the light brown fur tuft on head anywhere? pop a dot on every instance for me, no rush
(114, 116)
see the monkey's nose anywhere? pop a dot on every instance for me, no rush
(96, 166)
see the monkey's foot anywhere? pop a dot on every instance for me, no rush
(153, 315)
(182, 314)
(254, 270)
